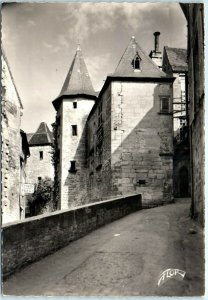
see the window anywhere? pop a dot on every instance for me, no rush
(100, 119)
(74, 129)
(165, 105)
(136, 62)
(73, 166)
(41, 155)
(39, 178)
(74, 104)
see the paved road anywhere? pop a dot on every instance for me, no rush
(123, 258)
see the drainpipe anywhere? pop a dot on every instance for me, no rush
(192, 175)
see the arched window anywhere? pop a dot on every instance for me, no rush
(136, 62)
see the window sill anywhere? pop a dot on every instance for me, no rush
(165, 113)
(165, 154)
(72, 171)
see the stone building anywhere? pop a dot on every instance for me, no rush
(120, 142)
(73, 106)
(194, 14)
(175, 64)
(40, 164)
(15, 148)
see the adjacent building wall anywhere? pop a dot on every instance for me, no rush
(99, 150)
(131, 151)
(142, 140)
(195, 17)
(11, 146)
(38, 167)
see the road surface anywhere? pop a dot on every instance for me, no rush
(124, 258)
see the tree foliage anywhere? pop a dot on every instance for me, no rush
(42, 199)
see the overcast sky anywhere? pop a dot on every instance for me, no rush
(40, 41)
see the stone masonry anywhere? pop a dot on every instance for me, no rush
(126, 143)
(11, 145)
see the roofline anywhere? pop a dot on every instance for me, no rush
(56, 103)
(177, 70)
(111, 78)
(130, 78)
(12, 78)
(43, 144)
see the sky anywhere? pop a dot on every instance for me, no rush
(40, 41)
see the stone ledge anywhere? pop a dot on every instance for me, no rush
(30, 240)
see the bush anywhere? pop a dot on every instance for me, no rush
(42, 199)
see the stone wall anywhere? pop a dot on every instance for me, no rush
(142, 140)
(37, 167)
(28, 241)
(99, 150)
(136, 148)
(73, 183)
(195, 18)
(11, 143)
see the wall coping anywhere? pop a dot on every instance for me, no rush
(63, 211)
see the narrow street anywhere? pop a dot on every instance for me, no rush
(124, 258)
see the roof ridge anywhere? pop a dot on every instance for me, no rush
(12, 78)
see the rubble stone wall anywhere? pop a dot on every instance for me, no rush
(11, 143)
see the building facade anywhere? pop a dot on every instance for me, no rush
(123, 143)
(40, 164)
(194, 14)
(15, 150)
(175, 64)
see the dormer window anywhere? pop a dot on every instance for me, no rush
(136, 62)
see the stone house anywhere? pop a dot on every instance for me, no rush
(194, 14)
(120, 142)
(40, 164)
(14, 151)
(175, 64)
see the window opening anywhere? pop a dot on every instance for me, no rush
(73, 166)
(74, 104)
(41, 155)
(136, 62)
(165, 105)
(74, 130)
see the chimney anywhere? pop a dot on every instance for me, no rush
(156, 34)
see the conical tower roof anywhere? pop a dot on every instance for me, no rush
(147, 67)
(43, 136)
(78, 80)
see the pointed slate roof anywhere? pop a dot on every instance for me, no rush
(177, 58)
(43, 136)
(78, 80)
(148, 67)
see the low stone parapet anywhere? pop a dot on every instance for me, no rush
(27, 241)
